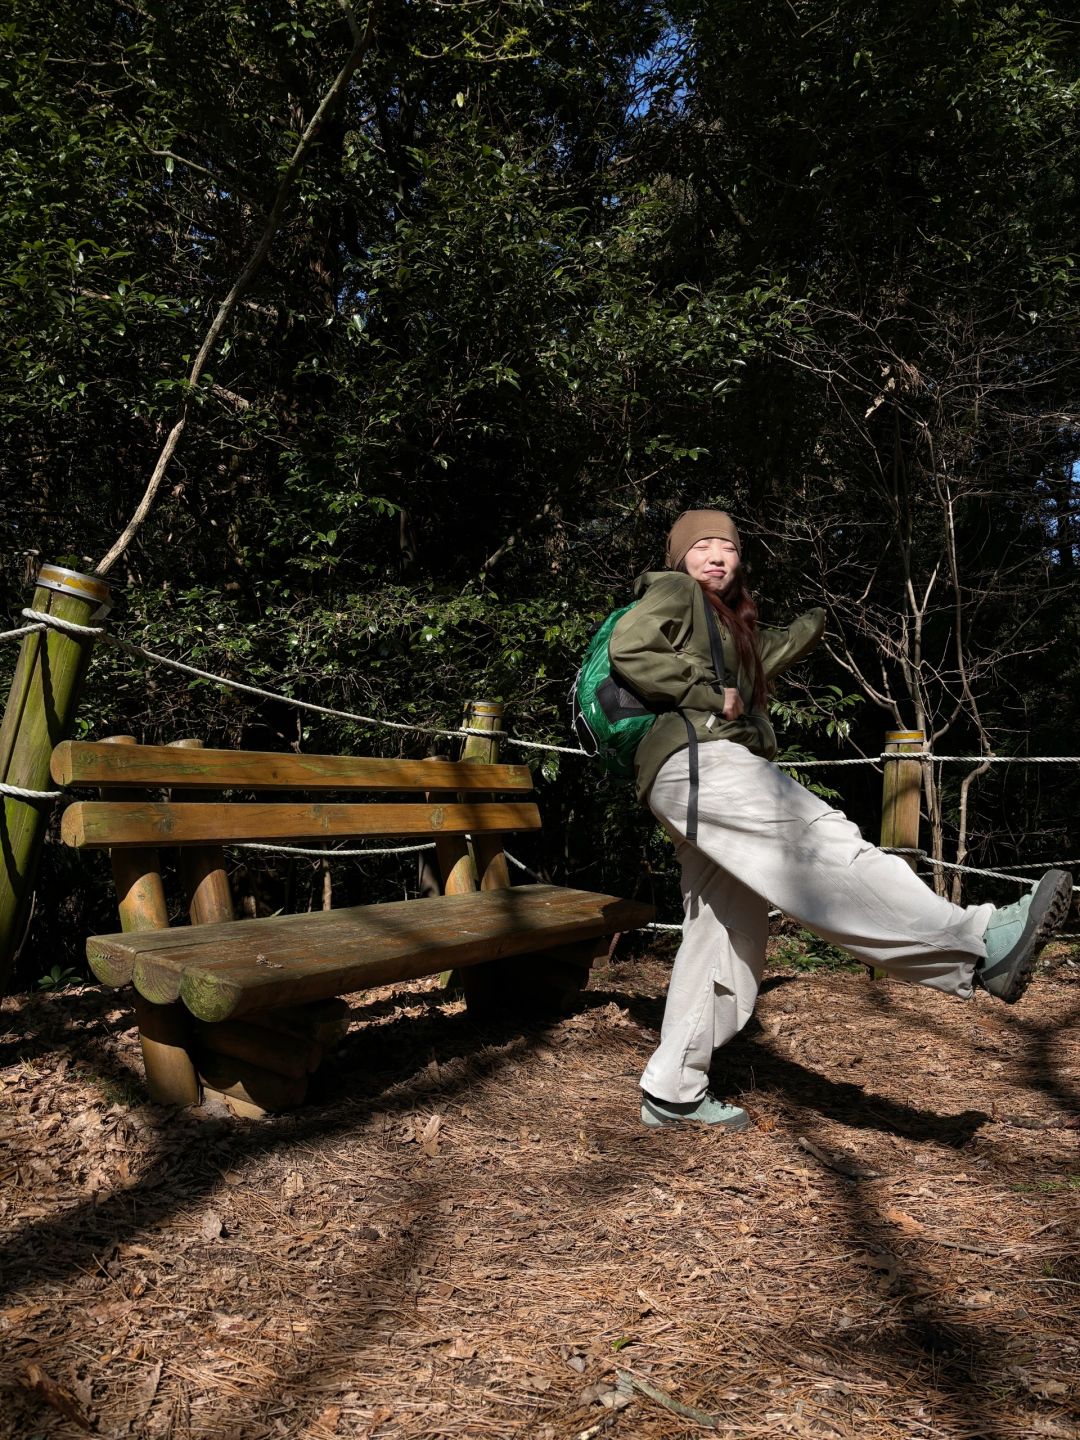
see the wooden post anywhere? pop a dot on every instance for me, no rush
(453, 860)
(164, 1030)
(164, 1038)
(901, 791)
(485, 866)
(203, 868)
(40, 713)
(535, 985)
(452, 853)
(491, 867)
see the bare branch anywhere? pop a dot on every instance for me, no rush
(512, 539)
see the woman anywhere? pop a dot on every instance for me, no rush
(748, 836)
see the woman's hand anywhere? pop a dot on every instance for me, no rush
(733, 706)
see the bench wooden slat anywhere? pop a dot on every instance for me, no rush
(85, 762)
(93, 824)
(231, 970)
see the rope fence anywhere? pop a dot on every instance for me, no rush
(40, 622)
(23, 630)
(18, 792)
(43, 621)
(315, 854)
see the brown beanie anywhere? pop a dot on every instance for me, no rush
(695, 525)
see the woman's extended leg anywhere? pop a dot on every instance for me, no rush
(715, 978)
(789, 847)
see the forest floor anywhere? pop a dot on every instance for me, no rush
(472, 1236)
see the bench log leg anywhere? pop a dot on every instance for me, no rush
(163, 1029)
(276, 1046)
(459, 878)
(540, 986)
(164, 1037)
(491, 864)
(202, 870)
(258, 1045)
(257, 1089)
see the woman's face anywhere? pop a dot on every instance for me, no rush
(713, 563)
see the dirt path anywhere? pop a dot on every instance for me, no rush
(481, 1239)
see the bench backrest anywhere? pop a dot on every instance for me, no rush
(455, 796)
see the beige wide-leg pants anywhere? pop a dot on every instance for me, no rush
(763, 839)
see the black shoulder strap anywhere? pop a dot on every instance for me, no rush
(692, 799)
(716, 645)
(724, 677)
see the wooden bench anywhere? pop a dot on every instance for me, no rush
(244, 1008)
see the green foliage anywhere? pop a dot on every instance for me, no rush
(806, 952)
(826, 714)
(59, 978)
(1049, 1187)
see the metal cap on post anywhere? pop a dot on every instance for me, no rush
(92, 588)
(40, 712)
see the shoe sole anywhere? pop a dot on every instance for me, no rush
(1049, 906)
(656, 1120)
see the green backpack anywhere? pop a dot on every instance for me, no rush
(609, 719)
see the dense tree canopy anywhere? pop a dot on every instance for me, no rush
(550, 273)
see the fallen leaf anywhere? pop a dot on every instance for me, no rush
(57, 1397)
(145, 1392)
(1044, 1389)
(906, 1222)
(429, 1142)
(211, 1226)
(16, 1314)
(139, 1252)
(593, 1394)
(977, 1299)
(1046, 1425)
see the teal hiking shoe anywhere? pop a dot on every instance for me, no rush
(1017, 933)
(706, 1111)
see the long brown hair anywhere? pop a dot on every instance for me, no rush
(739, 614)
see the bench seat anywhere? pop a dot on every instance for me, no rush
(228, 970)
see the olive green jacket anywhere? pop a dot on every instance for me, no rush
(661, 649)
